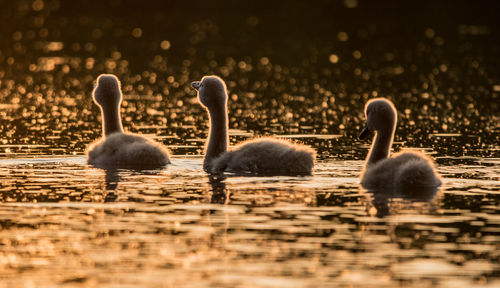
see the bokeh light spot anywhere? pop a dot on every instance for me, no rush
(333, 58)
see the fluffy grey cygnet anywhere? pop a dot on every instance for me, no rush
(117, 149)
(261, 156)
(403, 171)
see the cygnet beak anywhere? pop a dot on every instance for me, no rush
(196, 84)
(364, 133)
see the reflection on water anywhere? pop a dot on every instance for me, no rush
(112, 179)
(176, 226)
(381, 198)
(219, 191)
(65, 223)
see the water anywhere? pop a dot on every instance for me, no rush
(66, 223)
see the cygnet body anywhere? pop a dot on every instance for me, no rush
(117, 149)
(261, 156)
(403, 171)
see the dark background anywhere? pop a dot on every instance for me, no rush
(436, 60)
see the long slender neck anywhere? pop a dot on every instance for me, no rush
(381, 147)
(217, 137)
(112, 121)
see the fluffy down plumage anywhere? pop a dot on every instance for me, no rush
(266, 156)
(405, 171)
(118, 149)
(262, 156)
(122, 150)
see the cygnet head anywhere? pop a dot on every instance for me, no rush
(380, 116)
(212, 91)
(107, 91)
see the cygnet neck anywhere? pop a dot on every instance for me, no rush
(217, 137)
(381, 147)
(112, 121)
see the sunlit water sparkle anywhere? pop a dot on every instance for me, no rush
(63, 222)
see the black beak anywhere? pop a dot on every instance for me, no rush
(364, 133)
(196, 85)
